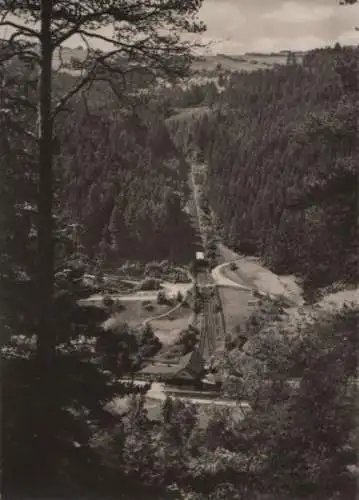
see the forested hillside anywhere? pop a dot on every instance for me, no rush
(125, 184)
(120, 181)
(281, 148)
(291, 431)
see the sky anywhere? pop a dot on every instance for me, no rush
(239, 26)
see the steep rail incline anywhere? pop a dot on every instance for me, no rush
(211, 324)
(211, 321)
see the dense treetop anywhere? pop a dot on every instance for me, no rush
(125, 184)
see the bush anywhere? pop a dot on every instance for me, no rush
(150, 284)
(150, 349)
(233, 266)
(148, 307)
(161, 298)
(175, 351)
(119, 307)
(108, 301)
(188, 339)
(147, 334)
(165, 266)
(153, 270)
(211, 245)
(197, 307)
(179, 296)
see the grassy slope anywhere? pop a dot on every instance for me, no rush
(135, 312)
(168, 329)
(237, 307)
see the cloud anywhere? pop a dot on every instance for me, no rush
(349, 38)
(223, 18)
(238, 26)
(298, 12)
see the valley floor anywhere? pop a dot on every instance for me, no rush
(251, 273)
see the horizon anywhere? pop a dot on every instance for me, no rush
(237, 27)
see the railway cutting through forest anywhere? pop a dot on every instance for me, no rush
(210, 320)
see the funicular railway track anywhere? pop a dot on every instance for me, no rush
(208, 324)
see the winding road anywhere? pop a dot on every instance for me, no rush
(222, 280)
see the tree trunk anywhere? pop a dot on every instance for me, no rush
(45, 449)
(45, 342)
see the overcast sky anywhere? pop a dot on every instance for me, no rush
(238, 26)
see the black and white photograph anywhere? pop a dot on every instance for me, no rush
(179, 249)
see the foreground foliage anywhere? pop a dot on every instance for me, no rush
(60, 433)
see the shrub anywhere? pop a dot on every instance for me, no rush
(161, 297)
(233, 266)
(175, 352)
(153, 270)
(120, 307)
(108, 301)
(211, 245)
(179, 296)
(197, 307)
(150, 349)
(188, 339)
(147, 334)
(165, 266)
(149, 307)
(150, 284)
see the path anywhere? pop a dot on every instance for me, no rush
(171, 290)
(163, 315)
(160, 392)
(222, 280)
(252, 275)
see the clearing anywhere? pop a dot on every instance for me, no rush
(135, 312)
(330, 304)
(168, 329)
(237, 306)
(170, 289)
(250, 272)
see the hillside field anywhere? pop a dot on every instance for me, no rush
(237, 307)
